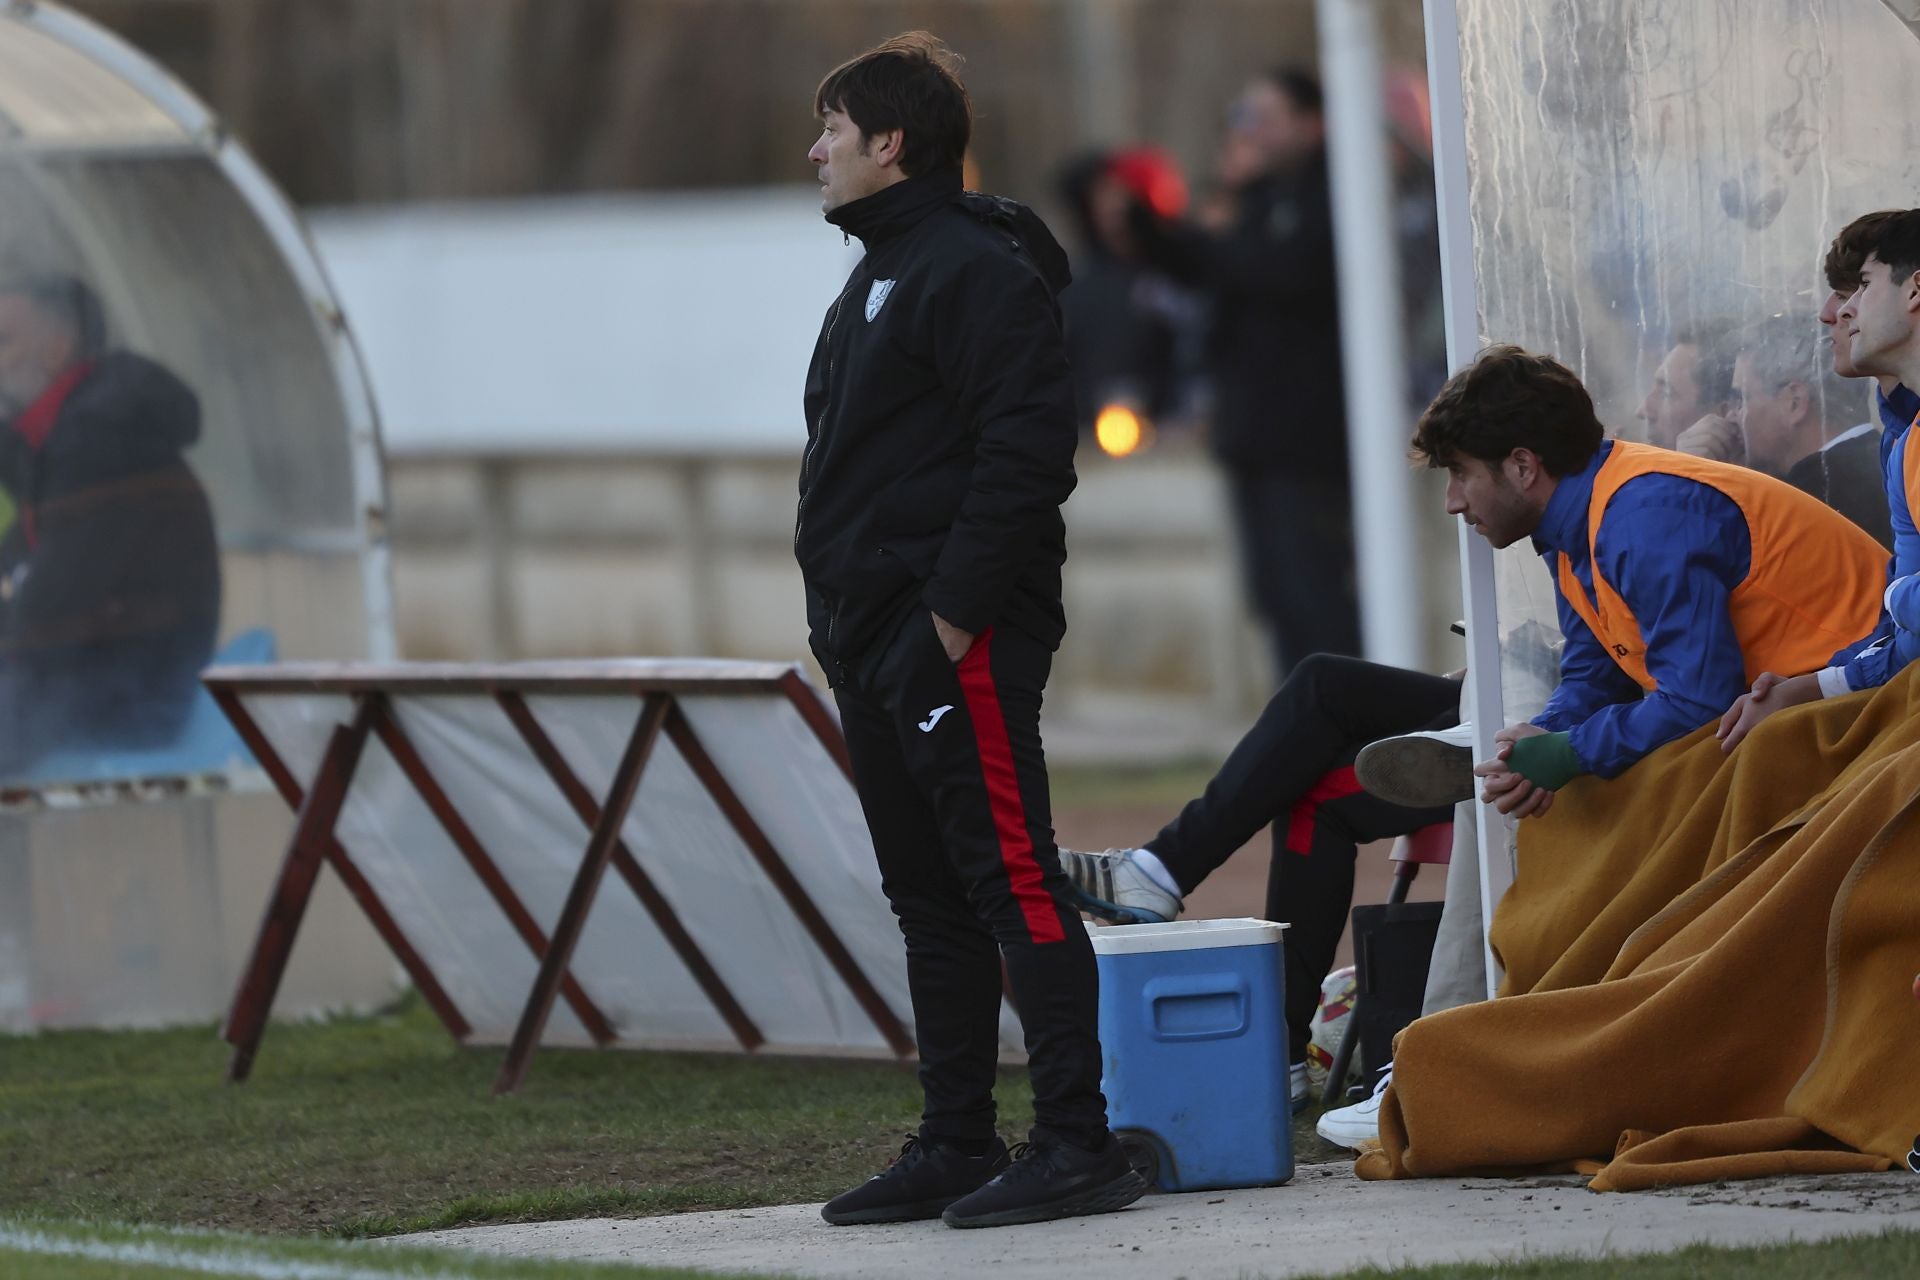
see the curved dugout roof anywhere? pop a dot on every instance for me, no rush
(112, 173)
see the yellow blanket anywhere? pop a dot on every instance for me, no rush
(1710, 971)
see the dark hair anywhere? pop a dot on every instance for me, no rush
(1076, 181)
(1895, 240)
(1510, 399)
(910, 83)
(1849, 250)
(1301, 86)
(1713, 359)
(71, 301)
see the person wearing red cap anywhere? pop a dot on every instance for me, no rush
(1133, 333)
(1279, 421)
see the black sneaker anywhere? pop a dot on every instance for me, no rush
(1052, 1179)
(918, 1183)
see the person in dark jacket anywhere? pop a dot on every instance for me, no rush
(1133, 335)
(110, 574)
(1691, 394)
(1800, 421)
(940, 438)
(1279, 423)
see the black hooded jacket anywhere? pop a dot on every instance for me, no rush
(1275, 345)
(940, 424)
(110, 573)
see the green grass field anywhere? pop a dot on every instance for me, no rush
(383, 1125)
(1166, 786)
(380, 1125)
(42, 1251)
(110, 1142)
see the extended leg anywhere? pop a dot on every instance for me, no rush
(1325, 712)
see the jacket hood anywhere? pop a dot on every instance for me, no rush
(1024, 225)
(131, 406)
(898, 208)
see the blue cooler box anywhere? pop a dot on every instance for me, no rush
(1194, 1032)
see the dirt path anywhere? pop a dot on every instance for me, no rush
(1325, 1220)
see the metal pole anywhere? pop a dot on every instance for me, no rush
(1477, 590)
(1386, 541)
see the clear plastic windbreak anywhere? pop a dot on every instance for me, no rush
(176, 483)
(1653, 185)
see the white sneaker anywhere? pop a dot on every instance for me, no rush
(1425, 770)
(1357, 1126)
(1299, 1089)
(1111, 886)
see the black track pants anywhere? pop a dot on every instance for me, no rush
(948, 764)
(1294, 771)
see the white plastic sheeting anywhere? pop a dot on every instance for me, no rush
(52, 93)
(678, 835)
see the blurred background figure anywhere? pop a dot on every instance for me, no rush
(1134, 334)
(109, 574)
(1264, 259)
(1693, 387)
(1416, 212)
(1801, 421)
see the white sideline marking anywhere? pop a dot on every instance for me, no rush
(219, 1263)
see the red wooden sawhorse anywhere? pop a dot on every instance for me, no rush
(317, 805)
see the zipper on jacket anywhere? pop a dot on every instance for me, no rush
(806, 458)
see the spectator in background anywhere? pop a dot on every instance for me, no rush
(1279, 423)
(1693, 388)
(1416, 226)
(110, 575)
(1871, 264)
(1761, 396)
(1132, 333)
(1786, 395)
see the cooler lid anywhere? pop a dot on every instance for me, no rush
(1183, 935)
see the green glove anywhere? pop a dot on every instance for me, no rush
(1546, 760)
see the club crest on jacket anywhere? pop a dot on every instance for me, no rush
(877, 297)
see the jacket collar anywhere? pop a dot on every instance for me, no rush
(35, 422)
(1897, 411)
(898, 208)
(1563, 526)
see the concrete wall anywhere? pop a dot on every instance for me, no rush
(143, 914)
(596, 555)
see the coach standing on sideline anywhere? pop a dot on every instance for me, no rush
(941, 430)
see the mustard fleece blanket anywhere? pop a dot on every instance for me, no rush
(1710, 971)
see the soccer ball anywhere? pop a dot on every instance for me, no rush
(1330, 1022)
